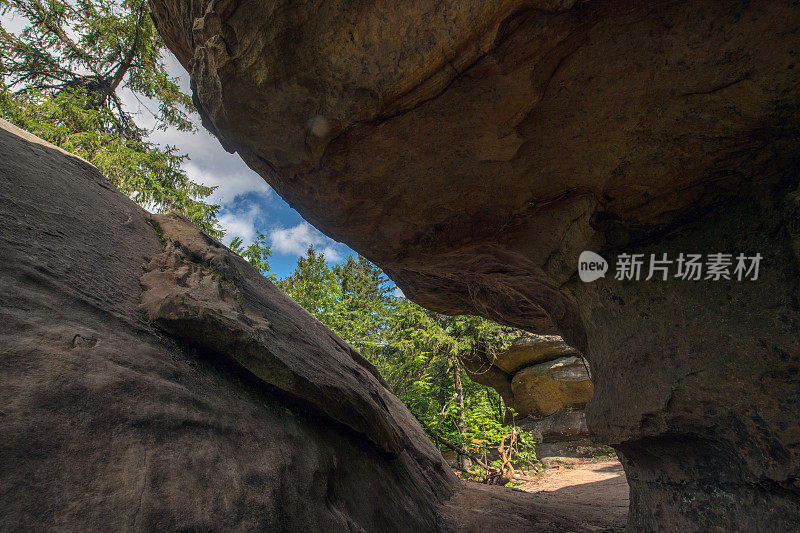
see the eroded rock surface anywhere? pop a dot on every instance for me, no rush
(536, 376)
(162, 384)
(543, 389)
(474, 149)
(528, 350)
(198, 291)
(546, 383)
(562, 426)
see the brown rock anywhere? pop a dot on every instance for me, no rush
(107, 423)
(200, 292)
(530, 350)
(500, 371)
(573, 505)
(461, 96)
(543, 389)
(474, 151)
(481, 370)
(563, 425)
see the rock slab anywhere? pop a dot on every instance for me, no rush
(153, 380)
(541, 390)
(536, 376)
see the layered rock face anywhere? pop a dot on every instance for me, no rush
(547, 385)
(153, 380)
(474, 149)
(536, 376)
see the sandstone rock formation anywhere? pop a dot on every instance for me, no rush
(547, 385)
(545, 388)
(528, 350)
(153, 380)
(536, 376)
(473, 150)
(562, 426)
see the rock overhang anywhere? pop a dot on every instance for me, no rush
(473, 151)
(611, 126)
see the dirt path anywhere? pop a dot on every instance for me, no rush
(589, 496)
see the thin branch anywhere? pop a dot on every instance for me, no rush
(457, 449)
(126, 62)
(40, 14)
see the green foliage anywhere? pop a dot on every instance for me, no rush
(314, 286)
(417, 351)
(525, 456)
(61, 79)
(367, 306)
(257, 254)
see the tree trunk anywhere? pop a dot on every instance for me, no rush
(461, 422)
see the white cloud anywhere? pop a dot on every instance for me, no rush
(13, 23)
(208, 163)
(296, 240)
(240, 223)
(397, 292)
(229, 184)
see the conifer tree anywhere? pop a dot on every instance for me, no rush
(62, 78)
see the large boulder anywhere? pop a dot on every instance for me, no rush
(541, 390)
(547, 385)
(153, 380)
(562, 426)
(528, 350)
(536, 376)
(473, 151)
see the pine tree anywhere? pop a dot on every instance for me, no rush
(257, 253)
(417, 351)
(62, 77)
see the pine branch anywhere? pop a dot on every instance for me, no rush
(37, 14)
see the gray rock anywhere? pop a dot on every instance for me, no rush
(563, 425)
(200, 292)
(239, 411)
(582, 448)
(560, 462)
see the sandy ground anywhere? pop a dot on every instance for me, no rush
(590, 496)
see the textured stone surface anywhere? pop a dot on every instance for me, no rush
(481, 370)
(200, 292)
(528, 385)
(575, 506)
(583, 448)
(547, 385)
(699, 384)
(543, 389)
(564, 425)
(529, 350)
(473, 151)
(108, 423)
